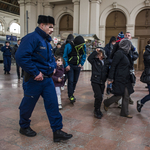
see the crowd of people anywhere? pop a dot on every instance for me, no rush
(46, 69)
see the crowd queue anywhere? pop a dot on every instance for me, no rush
(45, 71)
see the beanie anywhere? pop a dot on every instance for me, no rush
(78, 40)
(120, 36)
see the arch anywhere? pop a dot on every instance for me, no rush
(59, 16)
(109, 9)
(5, 25)
(136, 11)
(15, 28)
(12, 21)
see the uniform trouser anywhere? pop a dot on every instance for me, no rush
(7, 63)
(73, 75)
(125, 102)
(32, 91)
(18, 71)
(98, 90)
(147, 97)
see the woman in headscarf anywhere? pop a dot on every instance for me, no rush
(119, 75)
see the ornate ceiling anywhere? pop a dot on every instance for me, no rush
(11, 6)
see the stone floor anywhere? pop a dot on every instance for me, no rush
(112, 132)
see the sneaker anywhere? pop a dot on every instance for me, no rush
(72, 99)
(139, 106)
(97, 113)
(62, 88)
(28, 132)
(61, 135)
(59, 106)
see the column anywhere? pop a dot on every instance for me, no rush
(102, 34)
(76, 16)
(94, 17)
(32, 15)
(84, 17)
(22, 18)
(48, 9)
(131, 28)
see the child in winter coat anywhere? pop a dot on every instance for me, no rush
(58, 78)
(100, 68)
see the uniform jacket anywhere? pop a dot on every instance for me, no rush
(120, 73)
(99, 71)
(68, 50)
(34, 54)
(146, 73)
(59, 73)
(6, 51)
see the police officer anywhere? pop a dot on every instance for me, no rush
(35, 56)
(74, 56)
(7, 57)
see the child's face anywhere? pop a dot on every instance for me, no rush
(100, 56)
(59, 62)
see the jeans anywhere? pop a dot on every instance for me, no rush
(147, 97)
(73, 75)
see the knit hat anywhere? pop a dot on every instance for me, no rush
(120, 36)
(78, 40)
(125, 44)
(46, 19)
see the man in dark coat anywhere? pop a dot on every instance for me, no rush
(14, 50)
(7, 57)
(35, 56)
(108, 49)
(119, 75)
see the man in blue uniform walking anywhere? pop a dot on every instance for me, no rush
(7, 57)
(35, 57)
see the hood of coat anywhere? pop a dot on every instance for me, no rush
(125, 45)
(69, 38)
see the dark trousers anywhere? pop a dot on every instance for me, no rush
(98, 90)
(18, 71)
(125, 102)
(7, 63)
(73, 75)
(147, 97)
(32, 91)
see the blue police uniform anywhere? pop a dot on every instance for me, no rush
(6, 57)
(34, 55)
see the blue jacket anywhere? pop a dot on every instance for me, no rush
(34, 54)
(68, 49)
(6, 51)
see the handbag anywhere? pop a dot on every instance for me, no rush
(132, 78)
(143, 77)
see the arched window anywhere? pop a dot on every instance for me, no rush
(1, 27)
(15, 28)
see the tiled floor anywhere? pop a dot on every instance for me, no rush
(112, 132)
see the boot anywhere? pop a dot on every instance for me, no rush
(139, 106)
(5, 72)
(60, 135)
(28, 132)
(59, 101)
(131, 101)
(97, 113)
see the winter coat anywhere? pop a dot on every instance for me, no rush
(6, 51)
(99, 71)
(108, 48)
(120, 73)
(59, 73)
(34, 54)
(145, 77)
(133, 53)
(14, 49)
(68, 50)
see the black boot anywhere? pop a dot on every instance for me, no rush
(8, 72)
(97, 113)
(139, 106)
(60, 135)
(5, 72)
(28, 132)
